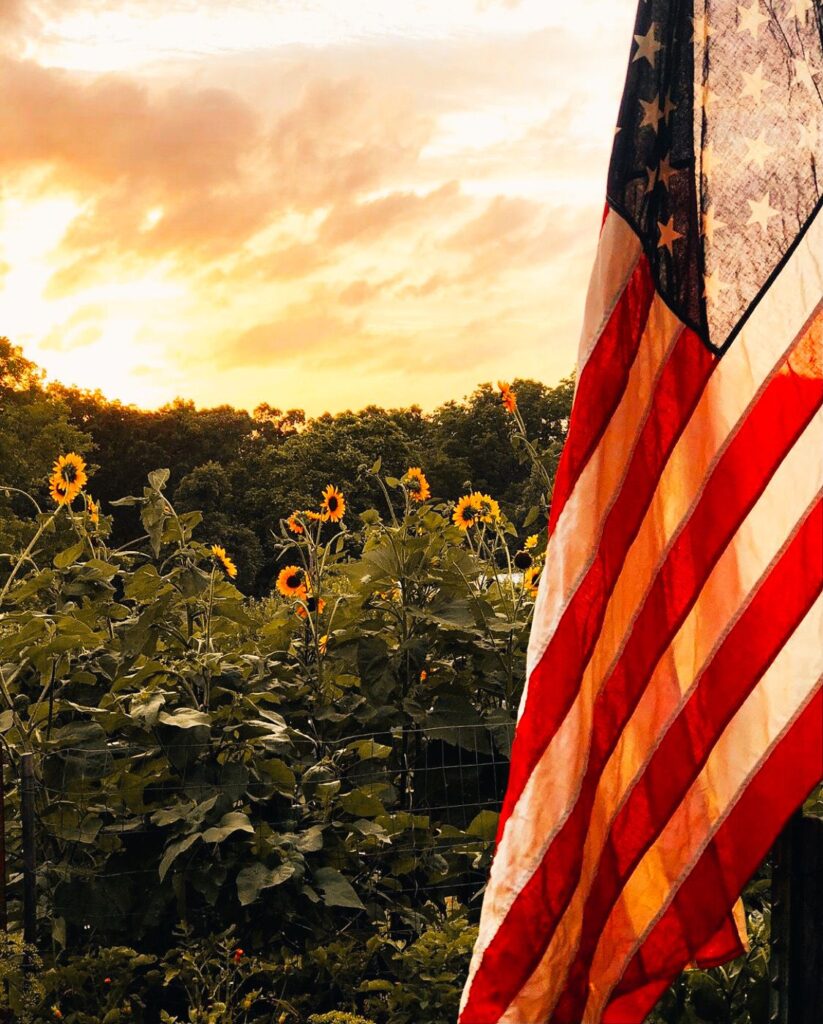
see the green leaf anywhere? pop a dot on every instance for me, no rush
(251, 881)
(173, 851)
(145, 584)
(64, 559)
(31, 586)
(104, 569)
(146, 712)
(368, 750)
(234, 821)
(484, 825)
(311, 840)
(184, 718)
(158, 478)
(337, 892)
(361, 804)
(281, 776)
(6, 721)
(531, 516)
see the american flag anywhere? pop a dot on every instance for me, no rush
(673, 713)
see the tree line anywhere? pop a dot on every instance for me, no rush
(247, 470)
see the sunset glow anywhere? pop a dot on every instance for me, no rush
(310, 203)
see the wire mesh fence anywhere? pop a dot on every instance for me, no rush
(420, 805)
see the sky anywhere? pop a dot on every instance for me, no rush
(318, 204)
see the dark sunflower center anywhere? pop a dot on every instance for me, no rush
(332, 503)
(293, 580)
(311, 603)
(522, 560)
(69, 474)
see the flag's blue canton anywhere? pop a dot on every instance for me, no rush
(718, 157)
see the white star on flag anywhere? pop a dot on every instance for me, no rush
(707, 158)
(713, 286)
(762, 212)
(755, 83)
(648, 46)
(758, 150)
(668, 235)
(803, 73)
(652, 114)
(808, 135)
(750, 18)
(800, 8)
(711, 223)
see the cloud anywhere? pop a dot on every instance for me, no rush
(81, 329)
(367, 221)
(359, 292)
(299, 333)
(504, 217)
(110, 130)
(344, 138)
(431, 285)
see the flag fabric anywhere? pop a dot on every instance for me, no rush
(672, 718)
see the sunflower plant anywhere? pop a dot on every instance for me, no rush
(213, 760)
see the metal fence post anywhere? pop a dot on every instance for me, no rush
(797, 924)
(29, 854)
(4, 918)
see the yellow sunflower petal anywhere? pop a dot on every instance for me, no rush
(291, 581)
(220, 554)
(333, 505)
(417, 484)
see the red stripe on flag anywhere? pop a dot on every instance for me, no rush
(602, 382)
(780, 604)
(778, 418)
(789, 773)
(554, 682)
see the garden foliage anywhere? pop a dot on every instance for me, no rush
(282, 808)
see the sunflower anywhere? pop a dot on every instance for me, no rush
(489, 508)
(531, 542)
(531, 578)
(312, 516)
(523, 560)
(424, 675)
(333, 504)
(323, 643)
(291, 582)
(312, 604)
(93, 510)
(294, 523)
(467, 511)
(417, 484)
(228, 565)
(68, 478)
(507, 396)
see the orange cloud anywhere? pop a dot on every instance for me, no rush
(366, 221)
(342, 139)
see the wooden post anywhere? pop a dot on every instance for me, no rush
(29, 855)
(797, 924)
